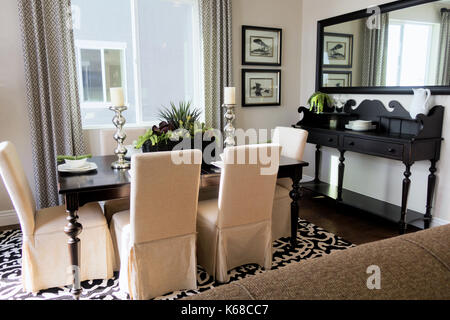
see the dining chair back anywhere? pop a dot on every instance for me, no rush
(235, 229)
(17, 186)
(293, 143)
(157, 236)
(246, 193)
(291, 140)
(163, 197)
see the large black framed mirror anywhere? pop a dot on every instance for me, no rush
(389, 49)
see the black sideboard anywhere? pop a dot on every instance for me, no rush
(397, 136)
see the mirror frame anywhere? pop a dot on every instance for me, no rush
(322, 24)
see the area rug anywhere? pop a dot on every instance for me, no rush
(313, 242)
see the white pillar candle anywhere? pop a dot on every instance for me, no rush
(117, 99)
(230, 95)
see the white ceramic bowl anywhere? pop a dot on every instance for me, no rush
(75, 164)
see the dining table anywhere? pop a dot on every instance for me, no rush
(106, 183)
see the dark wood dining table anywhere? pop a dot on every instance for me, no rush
(106, 183)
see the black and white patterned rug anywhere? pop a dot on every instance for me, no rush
(313, 242)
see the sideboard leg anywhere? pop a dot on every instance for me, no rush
(430, 194)
(318, 160)
(341, 175)
(405, 193)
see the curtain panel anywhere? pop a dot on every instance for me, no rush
(375, 53)
(215, 25)
(52, 90)
(444, 51)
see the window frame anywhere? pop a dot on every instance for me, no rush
(199, 90)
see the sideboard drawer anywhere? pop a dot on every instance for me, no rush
(383, 149)
(323, 139)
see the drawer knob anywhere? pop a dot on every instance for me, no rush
(391, 150)
(330, 139)
(351, 143)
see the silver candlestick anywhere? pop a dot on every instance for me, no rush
(229, 129)
(120, 136)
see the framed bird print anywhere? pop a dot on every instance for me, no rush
(261, 46)
(338, 51)
(261, 88)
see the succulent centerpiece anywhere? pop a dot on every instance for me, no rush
(177, 124)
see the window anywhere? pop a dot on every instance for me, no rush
(411, 45)
(150, 48)
(100, 69)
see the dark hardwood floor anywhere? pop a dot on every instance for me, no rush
(351, 224)
(9, 227)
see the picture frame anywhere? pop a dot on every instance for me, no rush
(337, 79)
(261, 46)
(338, 50)
(261, 87)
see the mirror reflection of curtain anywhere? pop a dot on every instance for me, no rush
(375, 53)
(444, 51)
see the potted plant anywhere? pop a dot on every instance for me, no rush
(319, 102)
(177, 123)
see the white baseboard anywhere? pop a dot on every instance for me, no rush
(8, 218)
(437, 222)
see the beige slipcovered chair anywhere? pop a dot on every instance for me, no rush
(292, 142)
(107, 147)
(235, 229)
(155, 239)
(45, 256)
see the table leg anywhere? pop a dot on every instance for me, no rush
(73, 230)
(405, 193)
(317, 168)
(341, 175)
(295, 195)
(430, 194)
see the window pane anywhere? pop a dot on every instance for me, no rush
(393, 65)
(108, 24)
(166, 44)
(415, 52)
(91, 70)
(113, 70)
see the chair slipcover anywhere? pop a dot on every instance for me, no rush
(107, 147)
(235, 229)
(155, 239)
(45, 256)
(292, 142)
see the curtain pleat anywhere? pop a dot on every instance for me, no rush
(215, 24)
(375, 53)
(444, 51)
(52, 90)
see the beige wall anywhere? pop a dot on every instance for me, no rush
(376, 177)
(14, 124)
(284, 14)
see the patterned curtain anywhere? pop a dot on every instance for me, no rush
(444, 55)
(52, 91)
(215, 21)
(375, 53)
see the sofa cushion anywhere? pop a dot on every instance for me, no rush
(414, 266)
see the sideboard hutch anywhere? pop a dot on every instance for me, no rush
(397, 136)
